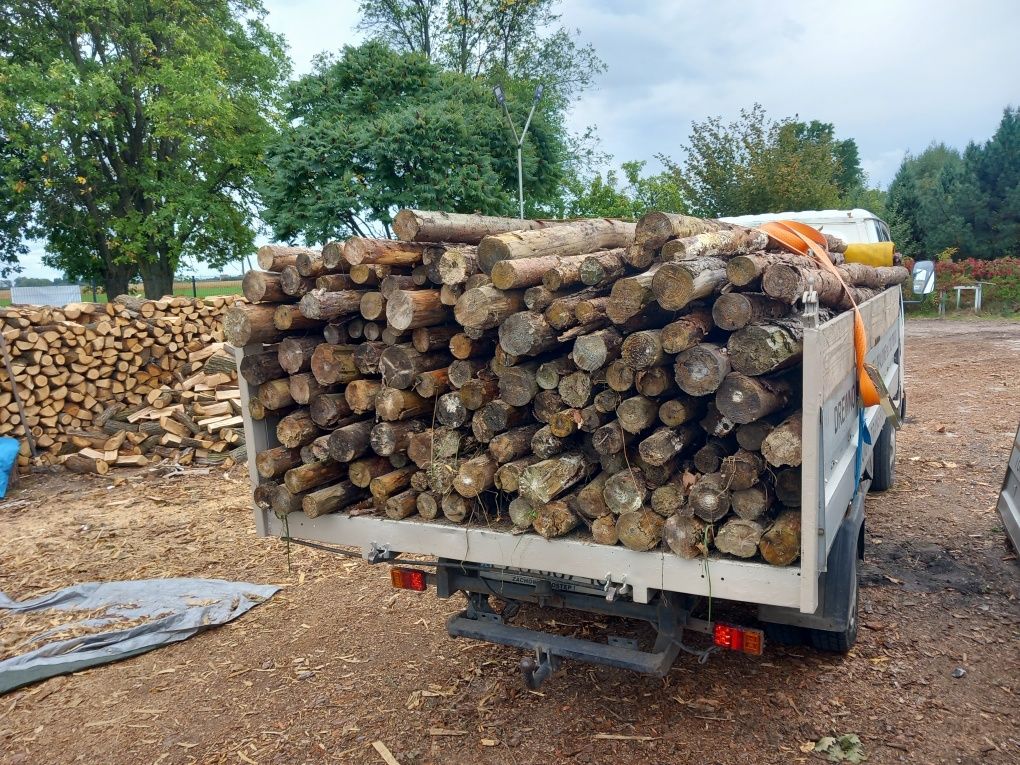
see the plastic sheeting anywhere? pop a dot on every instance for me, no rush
(174, 609)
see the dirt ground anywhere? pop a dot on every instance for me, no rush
(337, 660)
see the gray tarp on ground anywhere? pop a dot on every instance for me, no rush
(175, 608)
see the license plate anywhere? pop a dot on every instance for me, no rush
(556, 580)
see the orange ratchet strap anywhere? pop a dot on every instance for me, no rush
(804, 240)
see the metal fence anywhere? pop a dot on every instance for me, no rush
(49, 295)
(90, 293)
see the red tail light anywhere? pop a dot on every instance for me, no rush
(408, 579)
(738, 639)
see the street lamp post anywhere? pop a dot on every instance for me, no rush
(519, 138)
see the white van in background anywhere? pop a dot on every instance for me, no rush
(852, 226)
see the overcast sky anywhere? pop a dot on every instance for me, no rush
(894, 74)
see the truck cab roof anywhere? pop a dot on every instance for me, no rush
(852, 226)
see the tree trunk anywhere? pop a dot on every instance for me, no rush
(744, 399)
(476, 475)
(675, 285)
(640, 530)
(736, 310)
(573, 238)
(527, 334)
(508, 475)
(687, 537)
(729, 242)
(739, 537)
(429, 226)
(302, 478)
(710, 498)
(780, 544)
(782, 446)
(656, 228)
(594, 351)
(687, 331)
(763, 348)
(391, 483)
(555, 519)
(407, 309)
(157, 276)
(545, 480)
(666, 443)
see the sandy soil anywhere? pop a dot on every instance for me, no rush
(338, 660)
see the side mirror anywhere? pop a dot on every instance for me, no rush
(923, 277)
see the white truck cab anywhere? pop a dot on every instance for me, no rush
(852, 226)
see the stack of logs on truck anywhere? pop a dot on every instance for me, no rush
(628, 383)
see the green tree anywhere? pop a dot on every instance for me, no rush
(993, 208)
(377, 130)
(926, 203)
(759, 165)
(631, 197)
(515, 39)
(144, 123)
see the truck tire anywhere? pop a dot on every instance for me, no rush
(840, 642)
(883, 473)
(785, 634)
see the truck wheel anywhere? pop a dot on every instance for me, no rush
(840, 642)
(883, 474)
(785, 634)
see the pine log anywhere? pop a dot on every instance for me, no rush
(296, 429)
(361, 472)
(626, 491)
(401, 505)
(654, 229)
(427, 226)
(330, 499)
(609, 439)
(450, 410)
(640, 530)
(654, 382)
(274, 462)
(780, 544)
(351, 441)
(566, 272)
(630, 295)
(456, 508)
(288, 317)
(565, 423)
(304, 387)
(392, 404)
(391, 483)
(79, 463)
(546, 404)
(561, 313)
(367, 355)
(527, 334)
(752, 504)
(244, 324)
(295, 353)
(428, 505)
(677, 411)
(787, 484)
(394, 283)
(547, 444)
(742, 469)
(457, 265)
(736, 310)
(593, 312)
(336, 333)
(333, 256)
(768, 347)
(284, 501)
(400, 364)
(642, 350)
(319, 304)
(555, 519)
(700, 370)
(527, 272)
(263, 287)
(258, 368)
(574, 238)
(302, 478)
(328, 409)
(512, 444)
(390, 437)
(293, 284)
(435, 444)
(744, 270)
(388, 252)
(606, 401)
(670, 498)
(734, 241)
(637, 413)
(544, 481)
(367, 275)
(603, 530)
(594, 351)
(687, 537)
(686, 331)
(432, 338)
(601, 268)
(361, 395)
(508, 475)
(739, 537)
(478, 392)
(276, 257)
(517, 384)
(262, 496)
(333, 364)
(538, 298)
(494, 418)
(782, 446)
(311, 263)
(743, 399)
(549, 373)
(521, 513)
(486, 307)
(751, 435)
(373, 306)
(715, 423)
(709, 458)
(476, 475)
(408, 309)
(666, 443)
(464, 347)
(619, 376)
(675, 285)
(709, 498)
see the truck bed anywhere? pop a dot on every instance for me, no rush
(830, 446)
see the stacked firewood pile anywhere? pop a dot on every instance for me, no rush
(629, 383)
(121, 383)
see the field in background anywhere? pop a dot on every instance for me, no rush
(202, 289)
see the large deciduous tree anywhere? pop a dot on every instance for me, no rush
(376, 130)
(759, 165)
(138, 127)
